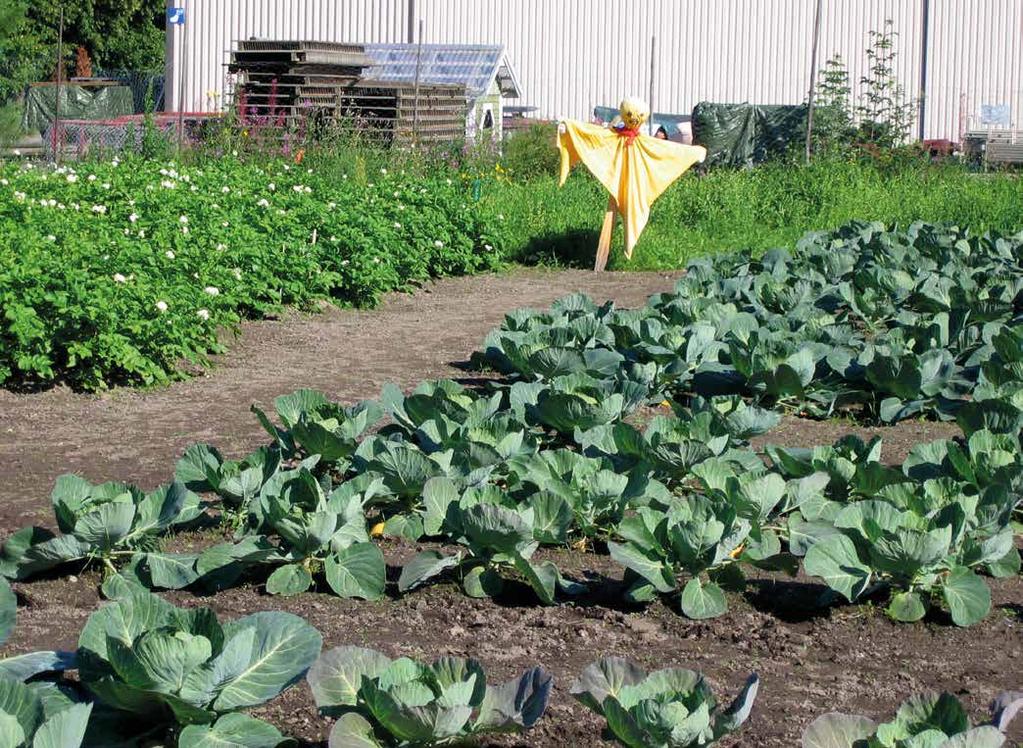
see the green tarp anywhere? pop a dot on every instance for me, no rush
(746, 134)
(76, 102)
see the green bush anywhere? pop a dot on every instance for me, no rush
(115, 273)
(532, 153)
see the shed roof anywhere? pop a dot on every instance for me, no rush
(473, 66)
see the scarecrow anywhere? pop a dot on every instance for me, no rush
(634, 168)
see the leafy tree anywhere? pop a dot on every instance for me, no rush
(115, 33)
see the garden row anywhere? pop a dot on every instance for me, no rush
(148, 671)
(120, 272)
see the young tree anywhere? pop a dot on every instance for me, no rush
(833, 121)
(884, 113)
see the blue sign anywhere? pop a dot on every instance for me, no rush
(176, 16)
(994, 114)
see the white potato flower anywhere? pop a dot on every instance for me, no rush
(162, 306)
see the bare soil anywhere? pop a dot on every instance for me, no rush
(812, 659)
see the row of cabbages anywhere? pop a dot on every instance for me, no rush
(150, 673)
(684, 505)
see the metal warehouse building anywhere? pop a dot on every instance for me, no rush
(963, 58)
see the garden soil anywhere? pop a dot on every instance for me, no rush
(811, 658)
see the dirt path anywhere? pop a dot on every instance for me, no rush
(137, 436)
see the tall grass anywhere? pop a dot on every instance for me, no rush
(769, 206)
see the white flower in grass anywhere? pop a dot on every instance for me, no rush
(133, 217)
(106, 257)
(331, 206)
(169, 254)
(344, 262)
(99, 209)
(72, 178)
(221, 247)
(105, 185)
(225, 190)
(142, 233)
(203, 314)
(237, 273)
(4, 182)
(438, 244)
(183, 219)
(264, 203)
(118, 278)
(272, 187)
(20, 196)
(92, 177)
(162, 306)
(163, 173)
(168, 184)
(383, 171)
(225, 224)
(298, 188)
(194, 188)
(212, 290)
(397, 225)
(127, 232)
(488, 247)
(51, 238)
(184, 230)
(307, 190)
(448, 182)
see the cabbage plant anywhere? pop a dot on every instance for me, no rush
(29, 721)
(669, 708)
(108, 523)
(923, 543)
(313, 425)
(383, 702)
(497, 539)
(174, 667)
(934, 720)
(703, 540)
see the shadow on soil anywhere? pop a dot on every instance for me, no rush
(571, 249)
(792, 602)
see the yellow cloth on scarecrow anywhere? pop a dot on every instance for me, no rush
(635, 170)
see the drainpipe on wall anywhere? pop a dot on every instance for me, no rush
(411, 22)
(923, 64)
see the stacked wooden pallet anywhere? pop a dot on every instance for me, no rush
(331, 84)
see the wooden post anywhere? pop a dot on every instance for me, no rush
(415, 91)
(182, 72)
(653, 59)
(58, 139)
(604, 245)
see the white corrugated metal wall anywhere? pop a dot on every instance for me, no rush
(571, 55)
